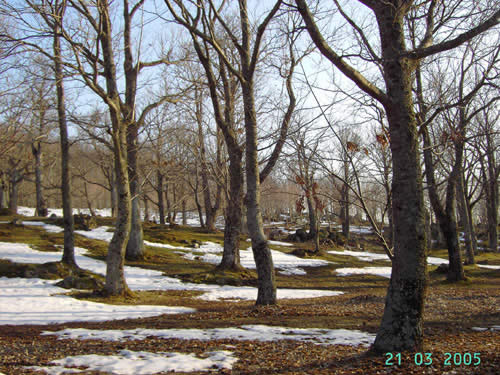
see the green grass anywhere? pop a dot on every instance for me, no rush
(175, 265)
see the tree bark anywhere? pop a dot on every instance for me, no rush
(234, 212)
(14, 180)
(260, 248)
(41, 208)
(69, 227)
(468, 226)
(115, 277)
(446, 216)
(135, 245)
(492, 193)
(402, 323)
(113, 193)
(159, 191)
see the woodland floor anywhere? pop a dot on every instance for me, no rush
(451, 311)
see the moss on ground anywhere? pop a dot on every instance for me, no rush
(196, 271)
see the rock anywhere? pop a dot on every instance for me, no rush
(16, 221)
(442, 268)
(301, 235)
(84, 282)
(195, 244)
(53, 216)
(84, 222)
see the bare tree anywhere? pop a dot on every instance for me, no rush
(401, 327)
(247, 41)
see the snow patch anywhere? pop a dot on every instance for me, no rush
(377, 271)
(128, 362)
(264, 333)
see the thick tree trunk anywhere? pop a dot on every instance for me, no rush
(260, 248)
(168, 205)
(313, 225)
(455, 268)
(115, 277)
(402, 322)
(14, 191)
(467, 221)
(2, 195)
(69, 247)
(135, 245)
(184, 213)
(492, 193)
(446, 216)
(232, 229)
(113, 193)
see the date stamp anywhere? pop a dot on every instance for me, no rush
(427, 359)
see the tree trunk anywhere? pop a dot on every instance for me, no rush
(492, 193)
(114, 197)
(159, 191)
(210, 212)
(184, 213)
(313, 225)
(446, 216)
(344, 211)
(232, 229)
(115, 277)
(402, 322)
(169, 207)
(14, 190)
(260, 248)
(2, 194)
(69, 227)
(146, 207)
(87, 198)
(41, 208)
(467, 221)
(135, 245)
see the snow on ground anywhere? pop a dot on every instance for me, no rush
(128, 362)
(212, 253)
(36, 301)
(377, 271)
(481, 329)
(232, 293)
(370, 257)
(287, 263)
(361, 255)
(27, 292)
(243, 333)
(48, 227)
(30, 211)
(489, 266)
(103, 233)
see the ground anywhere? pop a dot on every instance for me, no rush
(452, 314)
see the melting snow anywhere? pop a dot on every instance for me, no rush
(128, 362)
(36, 295)
(36, 301)
(243, 333)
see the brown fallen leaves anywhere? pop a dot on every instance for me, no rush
(450, 315)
